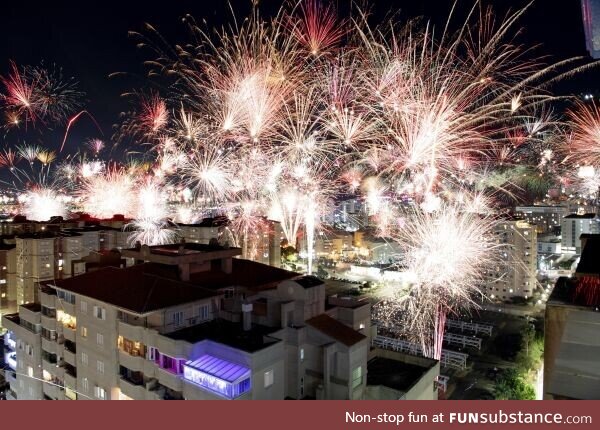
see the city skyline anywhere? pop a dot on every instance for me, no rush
(285, 183)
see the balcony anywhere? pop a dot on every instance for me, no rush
(70, 370)
(69, 357)
(48, 297)
(48, 322)
(53, 390)
(133, 362)
(134, 389)
(49, 345)
(69, 333)
(132, 332)
(169, 380)
(70, 381)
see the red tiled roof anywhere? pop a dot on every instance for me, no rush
(133, 289)
(335, 329)
(245, 273)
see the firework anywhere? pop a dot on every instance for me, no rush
(584, 148)
(43, 203)
(95, 145)
(154, 115)
(318, 29)
(446, 255)
(104, 196)
(19, 96)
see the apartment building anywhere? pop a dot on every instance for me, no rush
(515, 271)
(189, 321)
(573, 226)
(262, 245)
(8, 302)
(52, 251)
(547, 219)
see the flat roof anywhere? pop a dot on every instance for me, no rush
(394, 374)
(227, 333)
(134, 288)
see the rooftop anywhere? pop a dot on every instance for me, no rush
(584, 292)
(135, 288)
(336, 330)
(209, 222)
(227, 333)
(33, 307)
(181, 253)
(244, 273)
(583, 216)
(394, 374)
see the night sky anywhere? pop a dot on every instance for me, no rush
(89, 40)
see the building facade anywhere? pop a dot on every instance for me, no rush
(515, 271)
(573, 226)
(188, 322)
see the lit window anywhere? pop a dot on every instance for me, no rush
(269, 378)
(100, 393)
(85, 384)
(83, 331)
(301, 354)
(30, 371)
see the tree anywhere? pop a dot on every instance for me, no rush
(512, 386)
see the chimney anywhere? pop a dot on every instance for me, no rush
(247, 316)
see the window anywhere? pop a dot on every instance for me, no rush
(99, 313)
(357, 377)
(83, 306)
(177, 318)
(301, 354)
(100, 366)
(83, 331)
(30, 371)
(99, 339)
(85, 384)
(202, 312)
(268, 378)
(84, 358)
(100, 393)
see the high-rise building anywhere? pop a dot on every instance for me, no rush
(515, 272)
(262, 244)
(189, 322)
(573, 226)
(590, 10)
(35, 252)
(572, 338)
(547, 219)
